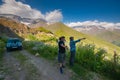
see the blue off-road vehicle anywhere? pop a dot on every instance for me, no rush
(13, 44)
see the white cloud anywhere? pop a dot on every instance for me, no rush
(25, 10)
(94, 23)
(54, 16)
(117, 24)
(18, 8)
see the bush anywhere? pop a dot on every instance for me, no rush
(28, 44)
(3, 39)
(90, 59)
(2, 46)
(93, 59)
(31, 37)
(44, 50)
(48, 51)
(85, 56)
(44, 30)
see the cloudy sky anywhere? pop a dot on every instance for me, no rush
(67, 11)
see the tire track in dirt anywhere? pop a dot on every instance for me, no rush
(13, 67)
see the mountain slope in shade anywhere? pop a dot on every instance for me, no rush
(5, 31)
(37, 23)
(60, 29)
(11, 28)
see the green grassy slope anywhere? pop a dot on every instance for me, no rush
(60, 29)
(112, 36)
(109, 36)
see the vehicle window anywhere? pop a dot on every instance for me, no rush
(13, 41)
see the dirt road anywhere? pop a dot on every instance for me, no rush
(21, 65)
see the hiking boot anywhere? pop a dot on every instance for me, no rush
(61, 70)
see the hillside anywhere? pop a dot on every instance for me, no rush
(110, 35)
(60, 29)
(11, 28)
(52, 31)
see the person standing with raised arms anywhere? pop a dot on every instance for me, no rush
(73, 49)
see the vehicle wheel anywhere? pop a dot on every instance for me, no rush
(20, 48)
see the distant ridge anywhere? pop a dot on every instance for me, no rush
(27, 21)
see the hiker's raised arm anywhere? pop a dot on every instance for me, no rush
(82, 38)
(77, 40)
